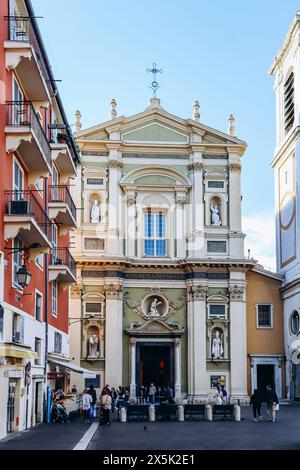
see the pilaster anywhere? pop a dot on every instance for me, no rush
(114, 334)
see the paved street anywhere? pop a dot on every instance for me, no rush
(285, 434)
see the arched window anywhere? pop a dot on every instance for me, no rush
(295, 323)
(289, 105)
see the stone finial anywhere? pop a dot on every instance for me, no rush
(196, 111)
(113, 109)
(78, 124)
(231, 128)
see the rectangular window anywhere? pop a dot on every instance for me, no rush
(289, 104)
(96, 382)
(217, 311)
(18, 183)
(40, 185)
(18, 329)
(57, 342)
(39, 260)
(264, 316)
(38, 350)
(155, 243)
(215, 184)
(96, 181)
(38, 306)
(17, 260)
(216, 247)
(93, 307)
(54, 298)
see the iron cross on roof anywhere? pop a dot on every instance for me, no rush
(154, 85)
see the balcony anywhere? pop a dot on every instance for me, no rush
(24, 57)
(24, 217)
(63, 155)
(62, 207)
(25, 134)
(62, 267)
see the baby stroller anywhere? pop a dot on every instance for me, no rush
(58, 414)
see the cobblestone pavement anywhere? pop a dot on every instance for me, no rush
(222, 435)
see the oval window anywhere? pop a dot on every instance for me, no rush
(295, 323)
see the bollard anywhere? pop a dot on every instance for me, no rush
(151, 411)
(237, 413)
(208, 413)
(123, 415)
(180, 413)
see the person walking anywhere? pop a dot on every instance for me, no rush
(255, 401)
(152, 393)
(272, 403)
(105, 405)
(224, 394)
(92, 392)
(86, 401)
(114, 398)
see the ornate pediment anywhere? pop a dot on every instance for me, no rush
(154, 132)
(155, 327)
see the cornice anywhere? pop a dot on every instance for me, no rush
(285, 145)
(286, 43)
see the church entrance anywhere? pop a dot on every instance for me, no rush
(155, 364)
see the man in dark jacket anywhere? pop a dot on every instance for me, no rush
(93, 394)
(272, 401)
(255, 401)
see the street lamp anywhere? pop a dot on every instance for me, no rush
(23, 276)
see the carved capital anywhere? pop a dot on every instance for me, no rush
(114, 291)
(131, 199)
(196, 166)
(132, 341)
(177, 342)
(115, 164)
(180, 201)
(236, 293)
(235, 167)
(197, 293)
(75, 291)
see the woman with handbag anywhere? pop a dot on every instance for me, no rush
(105, 406)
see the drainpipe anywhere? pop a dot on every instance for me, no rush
(46, 308)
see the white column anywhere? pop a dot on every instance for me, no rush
(114, 243)
(132, 368)
(114, 336)
(196, 246)
(235, 208)
(238, 341)
(177, 364)
(131, 225)
(180, 225)
(197, 387)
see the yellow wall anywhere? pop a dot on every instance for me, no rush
(263, 289)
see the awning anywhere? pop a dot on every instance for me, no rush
(74, 368)
(17, 352)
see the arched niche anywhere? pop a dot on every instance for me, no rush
(216, 212)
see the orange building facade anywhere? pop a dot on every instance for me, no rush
(38, 158)
(265, 334)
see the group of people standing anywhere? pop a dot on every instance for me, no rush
(153, 394)
(269, 397)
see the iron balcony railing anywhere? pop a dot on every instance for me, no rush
(62, 257)
(61, 193)
(60, 135)
(20, 29)
(22, 114)
(25, 203)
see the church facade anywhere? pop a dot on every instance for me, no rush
(161, 294)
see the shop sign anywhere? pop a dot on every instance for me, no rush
(14, 374)
(54, 375)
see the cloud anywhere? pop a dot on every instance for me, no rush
(260, 238)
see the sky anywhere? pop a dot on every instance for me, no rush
(216, 51)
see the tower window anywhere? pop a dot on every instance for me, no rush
(289, 105)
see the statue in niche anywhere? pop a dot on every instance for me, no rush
(93, 346)
(95, 213)
(217, 350)
(215, 215)
(153, 312)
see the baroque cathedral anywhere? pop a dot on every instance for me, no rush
(162, 275)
